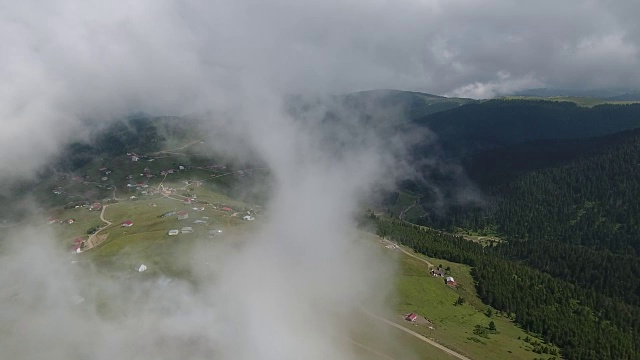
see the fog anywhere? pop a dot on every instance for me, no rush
(291, 289)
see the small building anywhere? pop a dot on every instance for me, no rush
(449, 280)
(248, 217)
(134, 158)
(187, 230)
(95, 206)
(187, 201)
(182, 215)
(76, 248)
(173, 232)
(411, 317)
(70, 221)
(226, 208)
(127, 223)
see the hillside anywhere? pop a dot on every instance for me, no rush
(495, 123)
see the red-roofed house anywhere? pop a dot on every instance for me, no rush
(95, 206)
(127, 223)
(411, 317)
(227, 209)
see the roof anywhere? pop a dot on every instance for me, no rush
(127, 222)
(227, 209)
(411, 316)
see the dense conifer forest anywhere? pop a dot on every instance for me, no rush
(584, 323)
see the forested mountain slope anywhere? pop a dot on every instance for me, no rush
(495, 123)
(590, 201)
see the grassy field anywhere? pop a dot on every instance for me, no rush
(428, 296)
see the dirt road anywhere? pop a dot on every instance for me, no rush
(415, 334)
(95, 240)
(409, 254)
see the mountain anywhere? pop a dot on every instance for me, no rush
(408, 104)
(587, 93)
(496, 123)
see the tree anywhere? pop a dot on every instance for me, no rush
(492, 326)
(460, 301)
(489, 312)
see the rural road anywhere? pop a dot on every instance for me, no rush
(415, 334)
(90, 241)
(408, 253)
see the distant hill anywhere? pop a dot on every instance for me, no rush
(588, 93)
(631, 96)
(409, 104)
(490, 124)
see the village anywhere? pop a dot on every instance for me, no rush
(194, 207)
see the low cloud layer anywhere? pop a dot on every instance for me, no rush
(66, 62)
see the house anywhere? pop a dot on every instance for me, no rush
(142, 268)
(173, 232)
(95, 206)
(187, 230)
(227, 209)
(411, 317)
(134, 158)
(70, 221)
(439, 272)
(450, 281)
(182, 215)
(187, 201)
(168, 213)
(127, 223)
(77, 248)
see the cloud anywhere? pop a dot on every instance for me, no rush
(289, 291)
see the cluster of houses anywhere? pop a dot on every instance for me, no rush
(53, 220)
(448, 280)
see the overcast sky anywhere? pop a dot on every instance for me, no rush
(64, 61)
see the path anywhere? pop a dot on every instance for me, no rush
(415, 334)
(408, 253)
(407, 209)
(91, 241)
